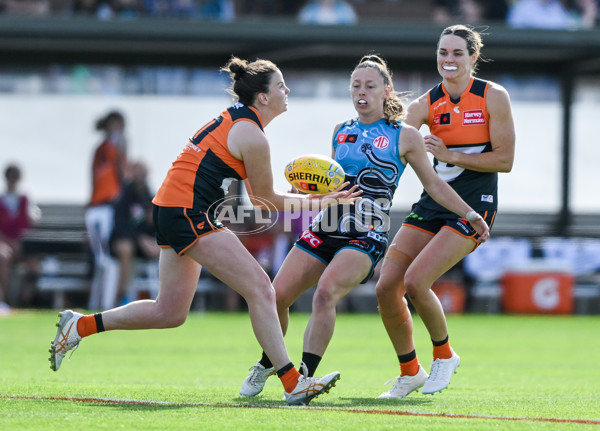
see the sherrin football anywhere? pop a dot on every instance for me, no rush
(315, 174)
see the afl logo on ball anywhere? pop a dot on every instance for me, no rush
(381, 142)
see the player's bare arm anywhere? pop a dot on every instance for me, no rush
(248, 143)
(417, 112)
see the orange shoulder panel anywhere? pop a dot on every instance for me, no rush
(462, 123)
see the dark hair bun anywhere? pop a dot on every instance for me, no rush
(102, 123)
(238, 70)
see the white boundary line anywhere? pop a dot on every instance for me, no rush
(314, 408)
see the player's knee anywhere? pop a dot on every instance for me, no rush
(171, 318)
(393, 305)
(262, 291)
(323, 299)
(386, 288)
(283, 302)
(395, 265)
(413, 285)
(258, 278)
(178, 320)
(268, 292)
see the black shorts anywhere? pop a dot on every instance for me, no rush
(325, 247)
(433, 221)
(180, 228)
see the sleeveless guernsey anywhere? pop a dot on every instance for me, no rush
(463, 125)
(370, 157)
(205, 168)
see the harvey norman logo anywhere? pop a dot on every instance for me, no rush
(471, 118)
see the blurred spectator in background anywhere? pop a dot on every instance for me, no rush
(270, 7)
(221, 10)
(124, 9)
(108, 9)
(25, 7)
(133, 234)
(496, 10)
(17, 214)
(540, 14)
(445, 11)
(469, 11)
(107, 176)
(327, 12)
(85, 7)
(166, 8)
(584, 12)
(218, 10)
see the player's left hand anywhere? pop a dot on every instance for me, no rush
(482, 228)
(436, 146)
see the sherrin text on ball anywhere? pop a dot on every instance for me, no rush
(315, 174)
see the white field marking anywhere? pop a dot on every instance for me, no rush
(315, 408)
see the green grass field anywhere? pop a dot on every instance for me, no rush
(516, 373)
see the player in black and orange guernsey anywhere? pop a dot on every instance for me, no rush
(472, 138)
(231, 147)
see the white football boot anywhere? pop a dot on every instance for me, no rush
(309, 388)
(404, 385)
(441, 372)
(255, 382)
(67, 338)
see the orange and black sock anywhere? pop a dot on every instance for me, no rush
(409, 364)
(289, 376)
(90, 324)
(441, 349)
